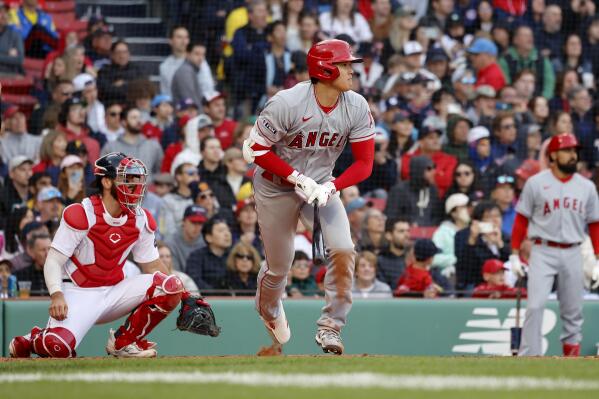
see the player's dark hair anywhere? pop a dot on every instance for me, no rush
(390, 223)
(208, 227)
(204, 142)
(483, 207)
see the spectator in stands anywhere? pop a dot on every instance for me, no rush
(37, 248)
(235, 176)
(381, 21)
(211, 167)
(246, 228)
(384, 170)
(302, 282)
(505, 144)
(416, 279)
(437, 62)
(583, 120)
(401, 139)
(22, 259)
(167, 259)
(574, 58)
(566, 81)
(134, 144)
(550, 39)
(71, 181)
(366, 285)
(52, 151)
(113, 128)
(46, 117)
(524, 55)
(75, 63)
(216, 108)
(483, 56)
(185, 82)
(494, 287)
(504, 194)
(183, 241)
(485, 107)
(11, 46)
(309, 32)
(99, 53)
(458, 218)
(16, 189)
(54, 73)
(404, 22)
(140, 93)
(193, 131)
(12, 227)
(36, 28)
(207, 266)
(16, 140)
(72, 123)
(37, 182)
(243, 264)
(178, 40)
(392, 259)
(457, 137)
(344, 18)
(539, 111)
(480, 241)
(356, 211)
(175, 203)
(113, 78)
(277, 58)
(48, 207)
(85, 85)
(373, 232)
(417, 198)
(429, 145)
(249, 47)
(161, 126)
(292, 14)
(466, 181)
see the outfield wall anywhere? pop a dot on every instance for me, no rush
(398, 327)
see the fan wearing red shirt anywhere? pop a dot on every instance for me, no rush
(483, 57)
(416, 279)
(216, 109)
(494, 286)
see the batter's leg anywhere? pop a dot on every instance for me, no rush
(540, 280)
(340, 269)
(278, 213)
(569, 292)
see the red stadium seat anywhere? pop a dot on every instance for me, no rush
(417, 232)
(25, 102)
(34, 67)
(17, 85)
(64, 21)
(57, 7)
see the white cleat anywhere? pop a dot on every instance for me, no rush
(278, 328)
(329, 340)
(131, 350)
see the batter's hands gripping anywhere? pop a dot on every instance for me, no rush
(196, 316)
(516, 264)
(322, 193)
(595, 276)
(304, 187)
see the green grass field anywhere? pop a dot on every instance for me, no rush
(255, 371)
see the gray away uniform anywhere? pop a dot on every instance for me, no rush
(309, 140)
(558, 212)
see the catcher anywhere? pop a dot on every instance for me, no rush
(85, 278)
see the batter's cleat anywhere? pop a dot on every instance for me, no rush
(20, 347)
(278, 329)
(329, 340)
(571, 350)
(144, 344)
(131, 350)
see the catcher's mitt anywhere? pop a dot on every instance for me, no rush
(196, 316)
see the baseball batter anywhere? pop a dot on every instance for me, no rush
(295, 142)
(84, 270)
(556, 206)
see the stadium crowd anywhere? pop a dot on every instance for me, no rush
(465, 95)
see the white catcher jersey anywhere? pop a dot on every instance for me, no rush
(558, 211)
(306, 137)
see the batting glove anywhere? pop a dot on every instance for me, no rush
(322, 194)
(516, 264)
(595, 276)
(305, 186)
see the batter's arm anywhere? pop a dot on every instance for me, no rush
(361, 168)
(519, 232)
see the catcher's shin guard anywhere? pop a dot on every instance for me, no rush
(53, 342)
(164, 296)
(571, 350)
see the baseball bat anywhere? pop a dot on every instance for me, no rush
(317, 242)
(516, 332)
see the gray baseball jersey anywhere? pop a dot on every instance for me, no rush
(306, 137)
(558, 211)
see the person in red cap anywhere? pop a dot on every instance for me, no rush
(494, 286)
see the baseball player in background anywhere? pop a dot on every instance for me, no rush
(295, 142)
(555, 207)
(84, 269)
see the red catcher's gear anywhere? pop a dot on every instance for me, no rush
(53, 342)
(323, 56)
(561, 142)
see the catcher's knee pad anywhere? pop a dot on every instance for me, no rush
(54, 342)
(165, 293)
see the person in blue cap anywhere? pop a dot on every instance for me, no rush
(416, 280)
(483, 57)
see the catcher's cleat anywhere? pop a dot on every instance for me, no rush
(278, 329)
(21, 347)
(131, 350)
(329, 340)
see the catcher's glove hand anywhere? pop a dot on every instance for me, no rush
(196, 316)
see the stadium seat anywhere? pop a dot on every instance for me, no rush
(25, 102)
(417, 232)
(17, 85)
(34, 67)
(60, 7)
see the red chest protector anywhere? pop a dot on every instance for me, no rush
(110, 243)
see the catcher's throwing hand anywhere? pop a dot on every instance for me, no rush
(58, 307)
(196, 316)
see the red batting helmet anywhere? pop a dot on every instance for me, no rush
(561, 142)
(323, 56)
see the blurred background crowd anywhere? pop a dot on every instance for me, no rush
(465, 95)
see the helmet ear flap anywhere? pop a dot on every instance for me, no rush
(330, 71)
